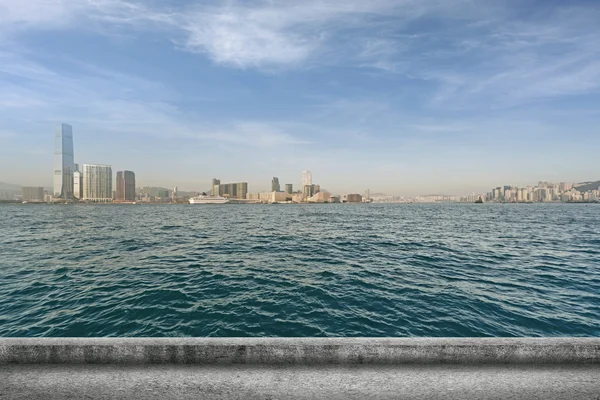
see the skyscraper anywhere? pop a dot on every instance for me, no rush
(289, 188)
(275, 185)
(306, 178)
(125, 186)
(97, 183)
(64, 164)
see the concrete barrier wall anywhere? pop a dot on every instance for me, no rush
(300, 351)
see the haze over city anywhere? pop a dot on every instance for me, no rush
(400, 97)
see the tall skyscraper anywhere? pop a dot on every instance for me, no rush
(275, 187)
(125, 186)
(97, 183)
(306, 178)
(289, 188)
(64, 164)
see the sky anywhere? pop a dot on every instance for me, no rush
(403, 97)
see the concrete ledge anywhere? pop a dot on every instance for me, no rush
(299, 351)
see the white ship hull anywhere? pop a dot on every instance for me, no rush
(208, 200)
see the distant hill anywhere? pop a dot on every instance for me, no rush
(9, 186)
(585, 186)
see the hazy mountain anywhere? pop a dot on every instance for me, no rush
(9, 186)
(585, 186)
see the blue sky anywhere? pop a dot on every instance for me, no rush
(404, 97)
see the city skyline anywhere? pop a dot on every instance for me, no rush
(399, 97)
(94, 183)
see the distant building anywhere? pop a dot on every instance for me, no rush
(30, 193)
(275, 187)
(308, 191)
(270, 197)
(216, 183)
(97, 183)
(316, 189)
(125, 186)
(320, 197)
(289, 188)
(297, 197)
(354, 198)
(306, 178)
(64, 164)
(237, 190)
(77, 183)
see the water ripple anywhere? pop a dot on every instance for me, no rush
(300, 270)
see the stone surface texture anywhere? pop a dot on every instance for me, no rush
(300, 351)
(299, 368)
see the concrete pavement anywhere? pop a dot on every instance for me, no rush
(147, 382)
(300, 368)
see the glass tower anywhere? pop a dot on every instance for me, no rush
(64, 164)
(275, 185)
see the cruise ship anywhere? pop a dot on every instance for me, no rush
(208, 199)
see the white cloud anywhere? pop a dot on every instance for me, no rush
(483, 55)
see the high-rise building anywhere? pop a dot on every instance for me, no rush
(242, 190)
(237, 190)
(275, 187)
(125, 186)
(306, 178)
(77, 183)
(97, 183)
(216, 183)
(64, 164)
(289, 188)
(35, 194)
(308, 191)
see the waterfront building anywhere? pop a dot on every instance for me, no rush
(125, 186)
(33, 194)
(317, 189)
(354, 198)
(320, 197)
(64, 164)
(238, 190)
(289, 188)
(270, 197)
(308, 191)
(306, 178)
(77, 183)
(97, 183)
(275, 187)
(216, 183)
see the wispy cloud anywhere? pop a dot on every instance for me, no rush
(440, 128)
